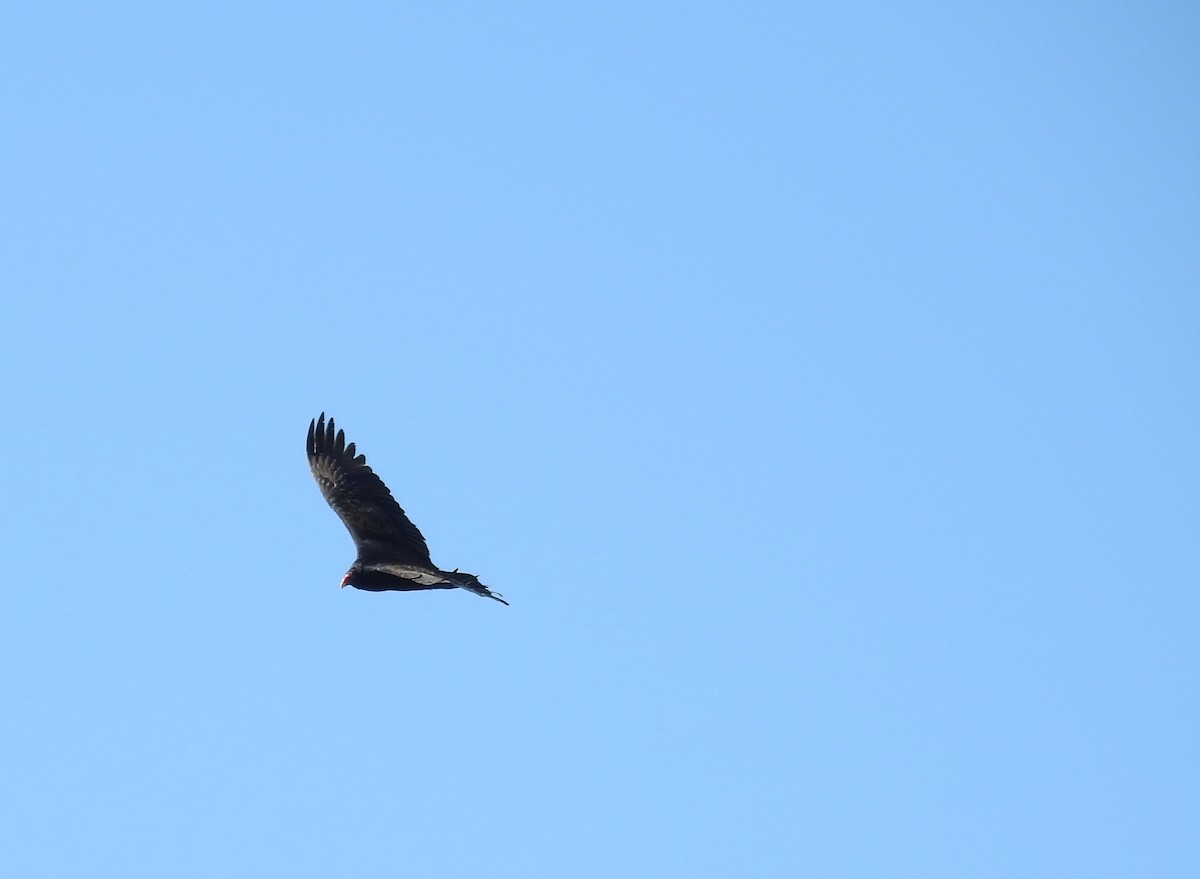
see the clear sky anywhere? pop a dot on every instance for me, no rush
(820, 383)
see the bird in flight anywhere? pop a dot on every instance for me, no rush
(392, 555)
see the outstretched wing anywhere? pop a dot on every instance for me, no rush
(379, 527)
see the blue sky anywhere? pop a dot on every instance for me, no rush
(820, 385)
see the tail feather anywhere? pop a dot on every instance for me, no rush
(471, 583)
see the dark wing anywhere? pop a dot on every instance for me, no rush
(379, 527)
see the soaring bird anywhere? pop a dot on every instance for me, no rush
(392, 554)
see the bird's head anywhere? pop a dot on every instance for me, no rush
(365, 578)
(354, 576)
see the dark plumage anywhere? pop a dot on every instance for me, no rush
(392, 554)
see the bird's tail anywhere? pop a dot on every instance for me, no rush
(471, 583)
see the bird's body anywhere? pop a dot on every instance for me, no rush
(392, 555)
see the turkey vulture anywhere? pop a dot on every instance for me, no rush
(392, 554)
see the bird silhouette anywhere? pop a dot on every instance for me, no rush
(392, 554)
